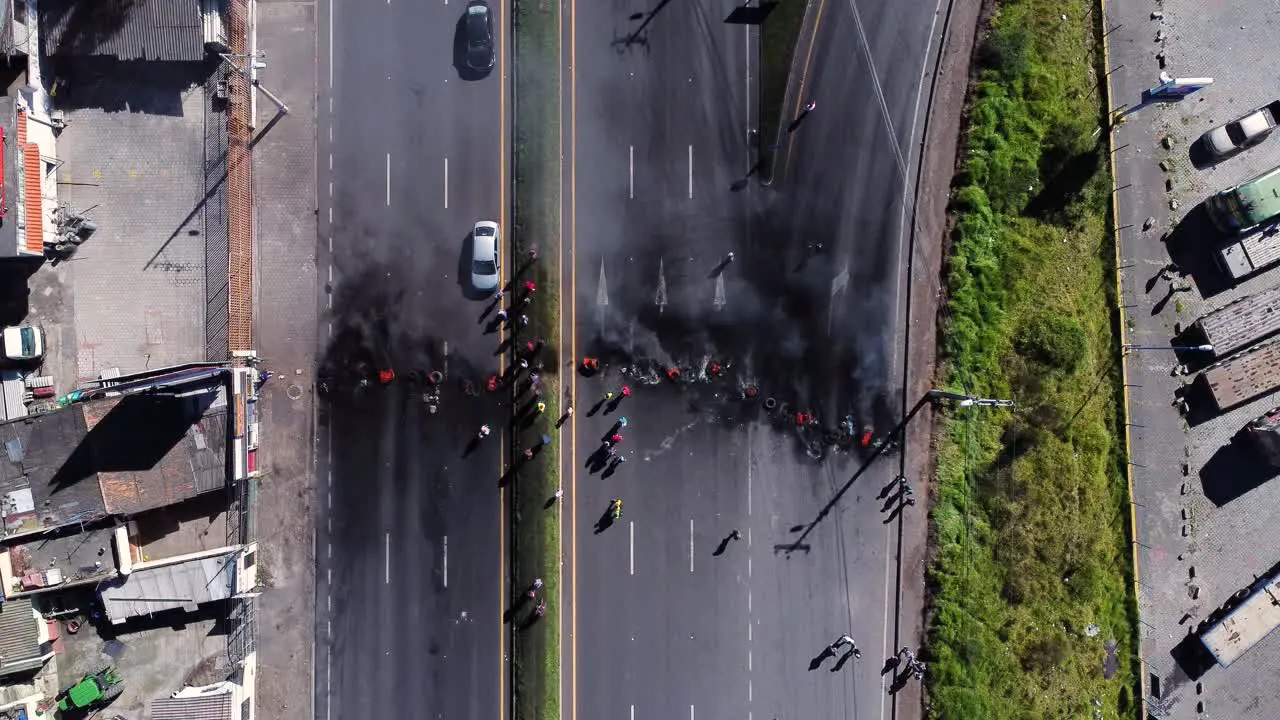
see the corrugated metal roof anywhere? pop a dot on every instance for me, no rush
(19, 636)
(167, 30)
(202, 707)
(169, 587)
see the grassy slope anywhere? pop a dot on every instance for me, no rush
(535, 549)
(1031, 520)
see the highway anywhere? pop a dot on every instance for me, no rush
(662, 621)
(411, 526)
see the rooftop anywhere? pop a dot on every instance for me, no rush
(185, 585)
(193, 525)
(55, 561)
(21, 649)
(212, 706)
(166, 30)
(118, 455)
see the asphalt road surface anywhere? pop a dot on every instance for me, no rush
(662, 625)
(410, 540)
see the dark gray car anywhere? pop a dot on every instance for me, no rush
(479, 31)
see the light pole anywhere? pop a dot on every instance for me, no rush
(1190, 348)
(961, 399)
(257, 64)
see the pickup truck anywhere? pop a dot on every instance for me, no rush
(1239, 135)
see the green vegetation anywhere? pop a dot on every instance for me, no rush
(777, 46)
(1031, 520)
(535, 531)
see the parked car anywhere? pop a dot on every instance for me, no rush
(484, 256)
(22, 343)
(1239, 135)
(479, 31)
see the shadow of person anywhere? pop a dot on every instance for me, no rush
(843, 659)
(896, 512)
(724, 544)
(530, 621)
(471, 446)
(605, 522)
(891, 665)
(521, 601)
(817, 661)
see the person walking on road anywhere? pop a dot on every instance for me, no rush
(839, 643)
(808, 108)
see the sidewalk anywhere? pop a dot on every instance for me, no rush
(1192, 554)
(285, 336)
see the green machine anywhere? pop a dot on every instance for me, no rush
(94, 689)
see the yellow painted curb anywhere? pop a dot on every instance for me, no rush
(1124, 363)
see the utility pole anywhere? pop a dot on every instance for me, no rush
(256, 64)
(933, 395)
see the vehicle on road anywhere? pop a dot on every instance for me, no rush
(484, 256)
(479, 32)
(1241, 134)
(23, 343)
(93, 690)
(1241, 208)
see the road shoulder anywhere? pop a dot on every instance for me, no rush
(285, 332)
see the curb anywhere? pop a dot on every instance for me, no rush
(1112, 130)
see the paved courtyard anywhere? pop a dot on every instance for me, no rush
(1203, 531)
(136, 159)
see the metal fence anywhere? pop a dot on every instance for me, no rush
(239, 185)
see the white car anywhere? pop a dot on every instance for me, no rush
(1239, 135)
(484, 256)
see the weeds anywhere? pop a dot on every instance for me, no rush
(1033, 611)
(534, 525)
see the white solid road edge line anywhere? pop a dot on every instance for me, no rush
(631, 172)
(632, 551)
(446, 184)
(387, 566)
(446, 561)
(690, 544)
(388, 174)
(690, 172)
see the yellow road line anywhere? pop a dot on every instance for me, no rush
(1124, 363)
(502, 450)
(573, 343)
(804, 74)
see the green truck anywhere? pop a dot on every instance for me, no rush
(1247, 205)
(93, 690)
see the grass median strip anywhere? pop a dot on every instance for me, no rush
(1033, 614)
(535, 523)
(778, 37)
